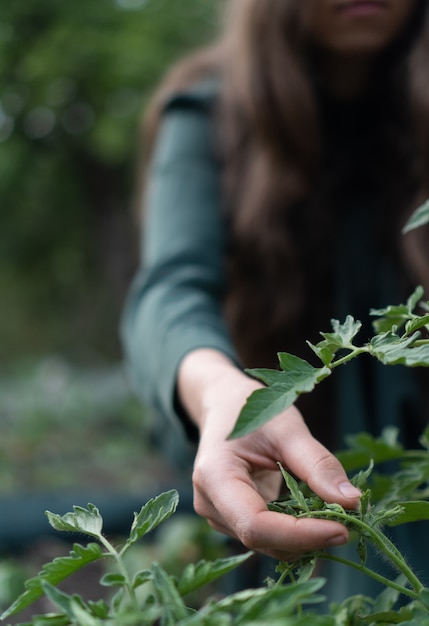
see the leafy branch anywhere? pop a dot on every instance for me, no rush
(400, 339)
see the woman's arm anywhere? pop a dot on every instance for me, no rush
(175, 303)
(234, 479)
(183, 362)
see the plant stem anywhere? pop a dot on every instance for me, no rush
(369, 572)
(379, 539)
(348, 357)
(122, 569)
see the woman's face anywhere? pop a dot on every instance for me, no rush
(356, 27)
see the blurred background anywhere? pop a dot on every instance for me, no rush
(74, 81)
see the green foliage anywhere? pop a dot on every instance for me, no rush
(389, 346)
(74, 81)
(285, 601)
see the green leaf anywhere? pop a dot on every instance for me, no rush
(388, 597)
(424, 597)
(168, 596)
(364, 501)
(62, 600)
(419, 217)
(306, 570)
(390, 349)
(205, 572)
(324, 353)
(48, 620)
(71, 605)
(386, 618)
(88, 521)
(153, 513)
(411, 512)
(264, 404)
(364, 448)
(99, 608)
(415, 324)
(82, 616)
(141, 578)
(253, 603)
(294, 489)
(53, 573)
(397, 315)
(113, 580)
(343, 334)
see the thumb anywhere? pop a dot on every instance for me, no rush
(310, 461)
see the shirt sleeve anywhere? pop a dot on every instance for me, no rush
(175, 302)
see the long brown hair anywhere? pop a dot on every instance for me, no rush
(280, 178)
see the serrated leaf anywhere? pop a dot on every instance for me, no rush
(415, 324)
(88, 521)
(324, 353)
(205, 572)
(419, 217)
(342, 335)
(390, 349)
(261, 406)
(53, 573)
(264, 404)
(395, 316)
(153, 513)
(361, 478)
(306, 570)
(411, 512)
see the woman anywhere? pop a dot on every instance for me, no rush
(286, 159)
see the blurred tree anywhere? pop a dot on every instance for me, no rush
(74, 79)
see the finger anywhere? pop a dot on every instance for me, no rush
(322, 471)
(308, 459)
(240, 509)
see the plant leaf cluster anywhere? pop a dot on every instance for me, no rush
(284, 602)
(400, 339)
(165, 604)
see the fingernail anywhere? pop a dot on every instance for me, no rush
(349, 491)
(338, 540)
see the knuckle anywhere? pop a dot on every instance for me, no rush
(325, 462)
(251, 535)
(247, 535)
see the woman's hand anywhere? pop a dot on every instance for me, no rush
(234, 479)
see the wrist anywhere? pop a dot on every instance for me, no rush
(213, 389)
